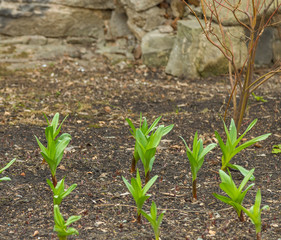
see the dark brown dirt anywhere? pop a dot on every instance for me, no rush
(98, 101)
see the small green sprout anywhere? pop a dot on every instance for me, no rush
(59, 192)
(196, 159)
(146, 147)
(230, 149)
(61, 226)
(258, 98)
(276, 149)
(235, 194)
(55, 147)
(4, 168)
(254, 213)
(146, 131)
(154, 221)
(138, 192)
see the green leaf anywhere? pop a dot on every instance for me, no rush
(8, 165)
(276, 149)
(242, 170)
(72, 219)
(5, 179)
(133, 132)
(246, 179)
(153, 125)
(58, 217)
(149, 184)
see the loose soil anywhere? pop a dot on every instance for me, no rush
(98, 99)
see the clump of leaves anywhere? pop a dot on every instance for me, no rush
(4, 168)
(54, 151)
(146, 147)
(143, 127)
(196, 159)
(145, 130)
(61, 225)
(276, 149)
(138, 192)
(230, 149)
(236, 195)
(254, 213)
(154, 221)
(59, 193)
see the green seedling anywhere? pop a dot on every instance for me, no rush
(146, 131)
(254, 213)
(4, 168)
(258, 98)
(196, 159)
(276, 149)
(146, 147)
(59, 192)
(230, 149)
(138, 192)
(236, 195)
(154, 221)
(55, 146)
(61, 226)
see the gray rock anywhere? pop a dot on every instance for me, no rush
(141, 5)
(228, 18)
(37, 40)
(91, 4)
(50, 20)
(146, 20)
(264, 53)
(118, 25)
(193, 55)
(156, 48)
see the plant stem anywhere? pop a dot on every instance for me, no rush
(259, 236)
(139, 218)
(62, 237)
(133, 165)
(54, 179)
(147, 177)
(194, 190)
(242, 217)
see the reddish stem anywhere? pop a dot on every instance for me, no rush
(194, 190)
(139, 219)
(147, 177)
(259, 236)
(242, 217)
(54, 179)
(133, 166)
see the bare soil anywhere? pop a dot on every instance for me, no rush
(98, 99)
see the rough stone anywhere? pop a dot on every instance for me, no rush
(264, 53)
(146, 20)
(141, 5)
(228, 18)
(178, 8)
(156, 48)
(50, 20)
(193, 55)
(91, 4)
(118, 25)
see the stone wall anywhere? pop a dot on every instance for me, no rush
(146, 29)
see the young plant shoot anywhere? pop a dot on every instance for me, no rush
(59, 192)
(61, 226)
(55, 146)
(146, 131)
(196, 159)
(254, 213)
(4, 168)
(146, 147)
(138, 192)
(154, 221)
(235, 194)
(230, 149)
